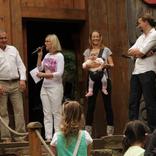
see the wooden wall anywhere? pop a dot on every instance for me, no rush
(61, 9)
(115, 19)
(117, 22)
(109, 17)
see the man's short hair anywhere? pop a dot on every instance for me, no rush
(149, 18)
(2, 30)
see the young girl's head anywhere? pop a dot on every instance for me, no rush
(134, 134)
(72, 118)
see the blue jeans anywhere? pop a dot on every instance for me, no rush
(145, 84)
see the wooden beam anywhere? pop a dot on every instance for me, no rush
(16, 25)
(71, 14)
(5, 17)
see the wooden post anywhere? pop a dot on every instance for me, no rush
(34, 141)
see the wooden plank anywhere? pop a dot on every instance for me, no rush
(17, 40)
(96, 22)
(25, 55)
(68, 4)
(16, 25)
(79, 4)
(13, 145)
(5, 17)
(118, 44)
(65, 4)
(109, 17)
(71, 14)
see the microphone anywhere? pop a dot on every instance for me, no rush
(37, 49)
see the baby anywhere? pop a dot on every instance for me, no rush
(96, 71)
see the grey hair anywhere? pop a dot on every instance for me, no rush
(2, 30)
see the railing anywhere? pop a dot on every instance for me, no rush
(35, 139)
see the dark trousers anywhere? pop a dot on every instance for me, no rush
(143, 84)
(106, 101)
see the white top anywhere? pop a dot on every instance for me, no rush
(53, 63)
(11, 65)
(134, 151)
(88, 138)
(145, 44)
(89, 61)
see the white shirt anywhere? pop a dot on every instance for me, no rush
(88, 138)
(89, 61)
(145, 44)
(53, 63)
(134, 151)
(11, 65)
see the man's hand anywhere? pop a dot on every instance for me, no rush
(135, 52)
(2, 89)
(22, 85)
(40, 74)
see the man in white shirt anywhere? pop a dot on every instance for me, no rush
(143, 80)
(12, 85)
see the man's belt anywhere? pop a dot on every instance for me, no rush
(12, 80)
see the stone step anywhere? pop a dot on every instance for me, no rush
(108, 146)
(106, 152)
(18, 149)
(108, 142)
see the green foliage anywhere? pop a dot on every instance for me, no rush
(70, 65)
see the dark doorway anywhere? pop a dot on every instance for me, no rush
(68, 33)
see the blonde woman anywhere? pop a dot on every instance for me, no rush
(65, 141)
(51, 70)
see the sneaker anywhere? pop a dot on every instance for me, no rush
(110, 130)
(48, 140)
(105, 91)
(89, 94)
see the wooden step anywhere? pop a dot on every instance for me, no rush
(105, 146)
(14, 144)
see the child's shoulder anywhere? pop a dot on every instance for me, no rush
(84, 132)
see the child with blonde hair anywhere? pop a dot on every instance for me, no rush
(71, 138)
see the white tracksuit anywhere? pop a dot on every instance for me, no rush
(52, 92)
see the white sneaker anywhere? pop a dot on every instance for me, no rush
(110, 130)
